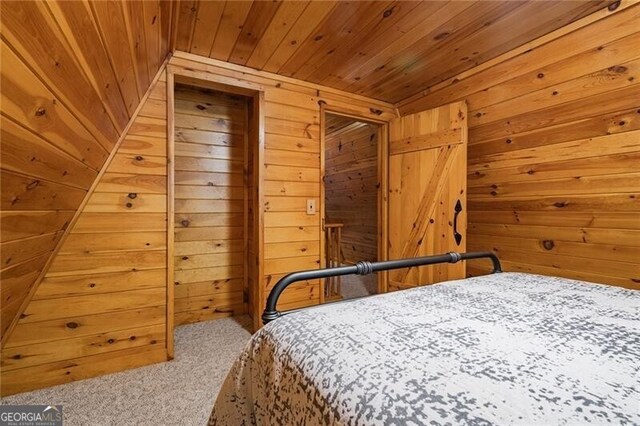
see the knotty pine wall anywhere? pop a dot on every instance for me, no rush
(351, 188)
(73, 74)
(210, 138)
(102, 305)
(291, 166)
(554, 151)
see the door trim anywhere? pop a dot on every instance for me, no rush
(256, 137)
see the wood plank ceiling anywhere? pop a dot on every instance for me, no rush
(388, 50)
(73, 74)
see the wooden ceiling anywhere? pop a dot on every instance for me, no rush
(336, 123)
(388, 50)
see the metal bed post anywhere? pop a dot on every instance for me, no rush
(364, 268)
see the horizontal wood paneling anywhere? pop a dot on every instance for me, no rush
(104, 296)
(351, 148)
(209, 204)
(554, 149)
(291, 174)
(69, 89)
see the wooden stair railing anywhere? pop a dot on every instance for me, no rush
(333, 259)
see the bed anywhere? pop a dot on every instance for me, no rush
(505, 348)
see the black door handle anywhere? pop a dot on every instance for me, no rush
(456, 234)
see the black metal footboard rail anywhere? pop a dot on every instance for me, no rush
(364, 268)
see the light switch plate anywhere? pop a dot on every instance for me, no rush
(311, 206)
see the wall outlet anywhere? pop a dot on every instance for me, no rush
(311, 206)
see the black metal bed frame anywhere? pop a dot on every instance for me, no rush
(364, 268)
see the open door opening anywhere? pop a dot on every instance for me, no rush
(215, 157)
(212, 226)
(351, 202)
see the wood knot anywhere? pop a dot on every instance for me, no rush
(375, 111)
(548, 244)
(185, 223)
(618, 69)
(540, 75)
(201, 107)
(132, 195)
(441, 36)
(33, 184)
(111, 341)
(40, 112)
(185, 257)
(72, 325)
(613, 6)
(139, 158)
(560, 204)
(387, 13)
(129, 205)
(92, 285)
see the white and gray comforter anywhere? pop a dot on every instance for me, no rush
(506, 348)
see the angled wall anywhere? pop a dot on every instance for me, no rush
(101, 306)
(554, 148)
(73, 73)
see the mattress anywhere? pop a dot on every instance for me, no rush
(506, 348)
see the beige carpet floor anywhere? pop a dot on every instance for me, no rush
(354, 286)
(180, 392)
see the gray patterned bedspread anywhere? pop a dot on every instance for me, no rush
(507, 348)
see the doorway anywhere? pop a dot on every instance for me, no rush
(214, 198)
(352, 202)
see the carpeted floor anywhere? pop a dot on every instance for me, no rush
(359, 286)
(180, 392)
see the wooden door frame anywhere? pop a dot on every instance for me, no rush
(383, 190)
(202, 79)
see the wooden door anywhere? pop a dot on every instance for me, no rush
(427, 192)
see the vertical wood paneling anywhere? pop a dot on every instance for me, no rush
(111, 21)
(427, 160)
(554, 145)
(104, 295)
